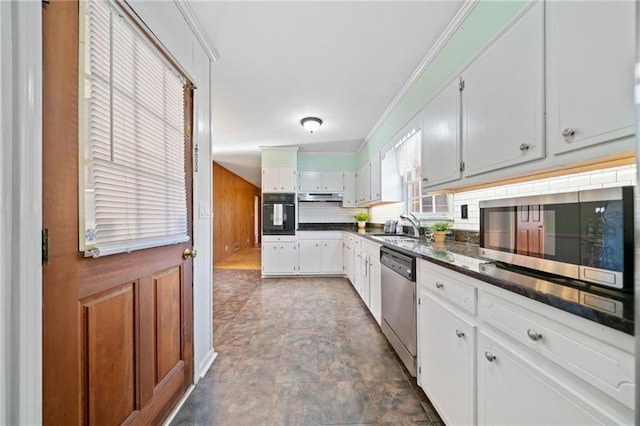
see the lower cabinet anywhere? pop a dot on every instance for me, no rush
(372, 282)
(446, 365)
(320, 252)
(279, 258)
(515, 390)
(488, 356)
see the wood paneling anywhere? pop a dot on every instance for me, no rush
(108, 342)
(233, 213)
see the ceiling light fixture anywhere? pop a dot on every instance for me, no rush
(311, 123)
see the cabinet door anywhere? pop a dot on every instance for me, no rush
(446, 354)
(332, 182)
(359, 273)
(287, 259)
(332, 262)
(279, 179)
(364, 177)
(502, 100)
(441, 138)
(375, 289)
(590, 63)
(514, 391)
(310, 181)
(270, 258)
(310, 256)
(270, 179)
(288, 179)
(375, 178)
(349, 195)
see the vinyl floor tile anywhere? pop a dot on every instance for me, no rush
(300, 351)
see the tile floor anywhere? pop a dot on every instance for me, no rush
(300, 351)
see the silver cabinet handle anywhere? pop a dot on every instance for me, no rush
(489, 356)
(524, 147)
(425, 179)
(534, 335)
(568, 132)
(439, 284)
(459, 333)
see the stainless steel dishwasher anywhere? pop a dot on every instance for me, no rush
(399, 304)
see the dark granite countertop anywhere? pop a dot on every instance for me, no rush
(608, 307)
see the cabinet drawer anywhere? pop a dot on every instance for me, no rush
(448, 287)
(606, 367)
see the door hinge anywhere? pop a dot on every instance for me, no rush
(45, 246)
(418, 300)
(462, 166)
(419, 370)
(461, 85)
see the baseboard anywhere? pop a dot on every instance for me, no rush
(178, 406)
(206, 363)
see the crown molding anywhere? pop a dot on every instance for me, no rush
(196, 28)
(442, 40)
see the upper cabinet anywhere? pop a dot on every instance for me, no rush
(590, 62)
(320, 181)
(349, 195)
(441, 138)
(279, 179)
(502, 99)
(371, 189)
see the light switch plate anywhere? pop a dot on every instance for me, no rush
(204, 211)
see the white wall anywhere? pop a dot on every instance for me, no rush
(167, 23)
(21, 213)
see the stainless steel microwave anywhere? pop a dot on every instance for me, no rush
(585, 235)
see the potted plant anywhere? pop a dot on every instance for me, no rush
(439, 230)
(361, 218)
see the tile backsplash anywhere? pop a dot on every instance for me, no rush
(327, 212)
(616, 176)
(595, 179)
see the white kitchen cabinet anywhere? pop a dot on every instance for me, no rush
(530, 363)
(279, 258)
(349, 193)
(349, 256)
(372, 285)
(320, 181)
(279, 179)
(446, 359)
(363, 183)
(590, 63)
(371, 189)
(503, 99)
(359, 272)
(514, 389)
(441, 138)
(375, 179)
(320, 252)
(310, 260)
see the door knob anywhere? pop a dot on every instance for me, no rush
(189, 253)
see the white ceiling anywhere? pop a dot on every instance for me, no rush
(342, 61)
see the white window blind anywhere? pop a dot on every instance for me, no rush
(133, 129)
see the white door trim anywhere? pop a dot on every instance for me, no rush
(20, 227)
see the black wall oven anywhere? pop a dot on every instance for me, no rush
(278, 214)
(586, 235)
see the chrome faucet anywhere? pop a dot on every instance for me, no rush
(413, 220)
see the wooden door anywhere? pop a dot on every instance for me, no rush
(530, 235)
(118, 345)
